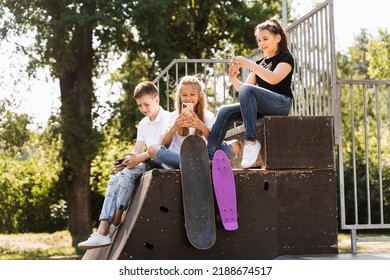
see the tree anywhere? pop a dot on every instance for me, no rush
(13, 129)
(379, 56)
(171, 29)
(73, 38)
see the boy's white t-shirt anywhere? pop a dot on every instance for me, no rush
(150, 131)
(178, 139)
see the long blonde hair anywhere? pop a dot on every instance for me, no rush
(200, 108)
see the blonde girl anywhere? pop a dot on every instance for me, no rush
(196, 121)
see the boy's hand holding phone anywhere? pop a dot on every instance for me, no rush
(119, 164)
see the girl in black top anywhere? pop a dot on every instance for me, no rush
(266, 91)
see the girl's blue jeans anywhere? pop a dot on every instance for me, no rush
(254, 102)
(167, 158)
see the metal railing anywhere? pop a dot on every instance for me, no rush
(213, 72)
(312, 44)
(364, 157)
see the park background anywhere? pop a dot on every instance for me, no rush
(41, 152)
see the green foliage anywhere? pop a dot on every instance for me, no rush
(64, 33)
(171, 29)
(28, 173)
(364, 113)
(379, 56)
(56, 25)
(13, 129)
(28, 188)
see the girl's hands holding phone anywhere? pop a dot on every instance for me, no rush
(233, 70)
(188, 119)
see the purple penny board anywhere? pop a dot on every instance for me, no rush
(225, 190)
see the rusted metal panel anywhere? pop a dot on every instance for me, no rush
(291, 142)
(299, 142)
(307, 214)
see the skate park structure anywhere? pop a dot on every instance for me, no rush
(285, 206)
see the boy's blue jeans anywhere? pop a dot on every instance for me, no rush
(120, 190)
(255, 102)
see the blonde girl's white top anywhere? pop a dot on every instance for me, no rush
(178, 139)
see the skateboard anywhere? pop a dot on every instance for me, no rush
(197, 189)
(225, 190)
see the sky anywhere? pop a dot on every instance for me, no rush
(350, 16)
(39, 97)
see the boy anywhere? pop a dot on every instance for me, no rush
(121, 186)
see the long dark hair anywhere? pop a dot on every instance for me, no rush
(274, 26)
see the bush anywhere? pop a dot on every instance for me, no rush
(28, 190)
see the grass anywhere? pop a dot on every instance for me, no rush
(58, 245)
(344, 244)
(37, 246)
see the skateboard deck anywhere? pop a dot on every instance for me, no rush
(225, 190)
(197, 189)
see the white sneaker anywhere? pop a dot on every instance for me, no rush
(94, 241)
(112, 229)
(250, 154)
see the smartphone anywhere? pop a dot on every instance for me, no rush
(232, 55)
(120, 160)
(186, 107)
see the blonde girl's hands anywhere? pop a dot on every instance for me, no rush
(193, 121)
(187, 120)
(183, 120)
